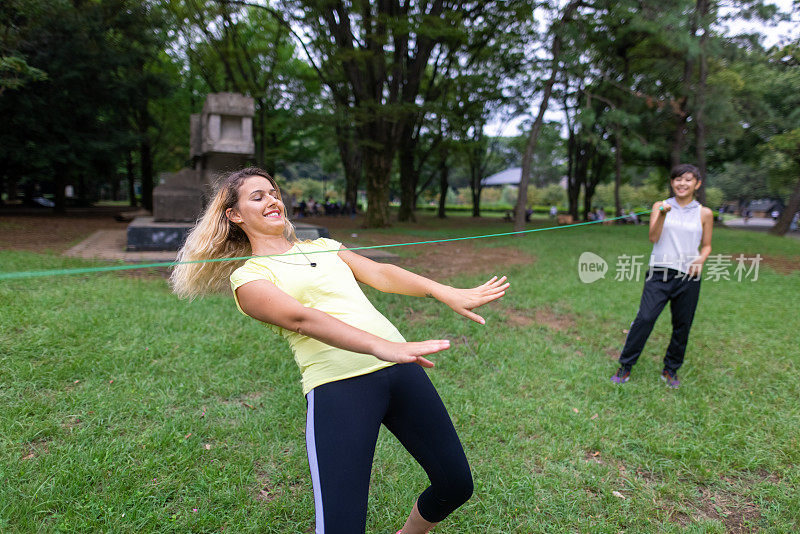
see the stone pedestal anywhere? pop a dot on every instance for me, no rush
(179, 198)
(147, 234)
(221, 141)
(144, 233)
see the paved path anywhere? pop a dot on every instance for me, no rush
(110, 245)
(760, 224)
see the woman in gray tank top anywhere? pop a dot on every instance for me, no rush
(680, 230)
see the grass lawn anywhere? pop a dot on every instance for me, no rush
(127, 410)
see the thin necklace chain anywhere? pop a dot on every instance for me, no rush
(310, 263)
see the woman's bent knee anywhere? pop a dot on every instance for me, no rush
(436, 503)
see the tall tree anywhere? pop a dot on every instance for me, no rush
(382, 51)
(560, 25)
(69, 121)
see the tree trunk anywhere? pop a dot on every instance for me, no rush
(408, 175)
(115, 186)
(131, 179)
(351, 157)
(784, 221)
(617, 171)
(475, 189)
(444, 172)
(678, 139)
(700, 102)
(146, 172)
(60, 180)
(533, 139)
(588, 195)
(682, 113)
(146, 164)
(581, 175)
(377, 169)
(595, 162)
(573, 184)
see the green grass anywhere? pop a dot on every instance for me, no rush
(125, 409)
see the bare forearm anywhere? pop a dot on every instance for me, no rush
(323, 327)
(331, 331)
(393, 279)
(705, 252)
(656, 227)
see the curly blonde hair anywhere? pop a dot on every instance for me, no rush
(215, 237)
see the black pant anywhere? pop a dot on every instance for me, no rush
(341, 431)
(682, 293)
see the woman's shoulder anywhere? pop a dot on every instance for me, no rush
(250, 270)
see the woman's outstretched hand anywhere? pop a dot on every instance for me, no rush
(410, 352)
(463, 301)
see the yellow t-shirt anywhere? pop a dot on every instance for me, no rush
(329, 287)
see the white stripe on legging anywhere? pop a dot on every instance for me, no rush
(311, 447)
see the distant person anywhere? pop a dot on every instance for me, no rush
(775, 215)
(747, 215)
(358, 372)
(679, 226)
(553, 212)
(793, 224)
(601, 214)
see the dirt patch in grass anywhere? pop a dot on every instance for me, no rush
(560, 322)
(518, 318)
(446, 260)
(269, 489)
(34, 449)
(738, 517)
(556, 321)
(247, 400)
(782, 264)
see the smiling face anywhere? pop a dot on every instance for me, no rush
(685, 185)
(259, 210)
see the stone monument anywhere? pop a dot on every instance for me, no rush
(221, 140)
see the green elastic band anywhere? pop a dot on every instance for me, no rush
(58, 272)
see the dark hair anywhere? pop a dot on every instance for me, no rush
(683, 168)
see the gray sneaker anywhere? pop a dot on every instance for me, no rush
(621, 376)
(671, 379)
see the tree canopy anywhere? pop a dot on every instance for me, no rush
(397, 98)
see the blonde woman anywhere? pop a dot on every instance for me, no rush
(357, 370)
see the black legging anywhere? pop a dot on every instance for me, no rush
(660, 287)
(341, 431)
